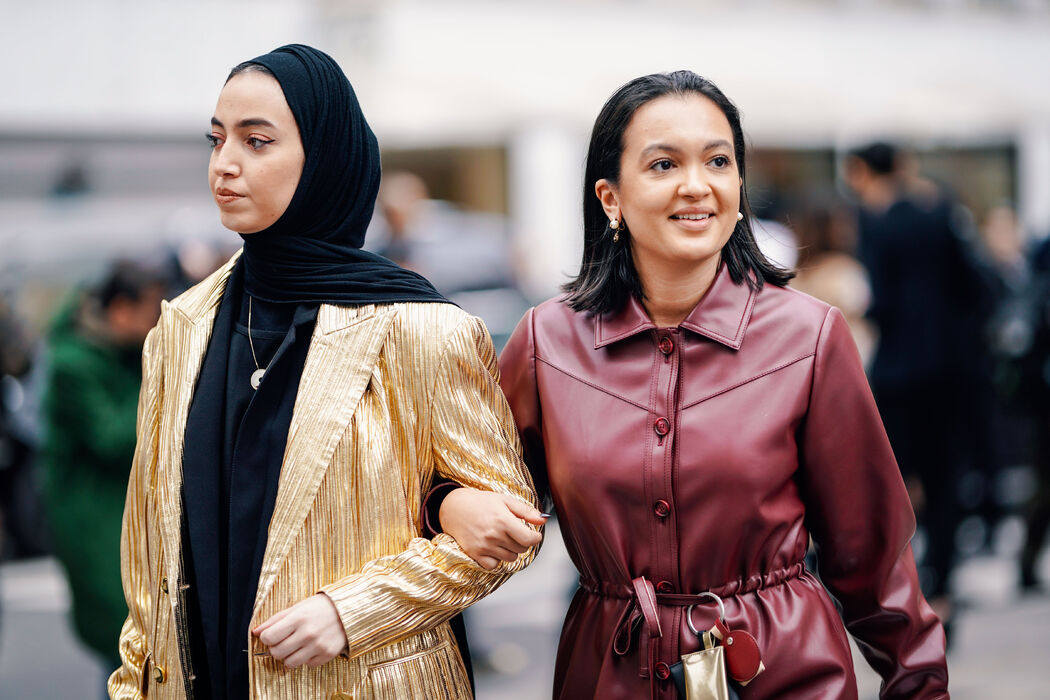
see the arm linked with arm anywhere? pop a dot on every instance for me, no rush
(474, 443)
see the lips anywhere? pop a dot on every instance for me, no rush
(224, 195)
(693, 214)
(694, 218)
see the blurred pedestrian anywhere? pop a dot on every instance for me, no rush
(296, 405)
(94, 370)
(21, 515)
(1035, 378)
(829, 270)
(928, 373)
(455, 250)
(1010, 333)
(695, 423)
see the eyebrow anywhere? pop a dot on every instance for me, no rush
(255, 121)
(719, 143)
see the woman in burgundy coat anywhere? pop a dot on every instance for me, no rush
(695, 423)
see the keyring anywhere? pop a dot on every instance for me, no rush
(689, 611)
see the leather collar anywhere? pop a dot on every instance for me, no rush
(721, 315)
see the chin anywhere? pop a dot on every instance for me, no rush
(697, 255)
(238, 225)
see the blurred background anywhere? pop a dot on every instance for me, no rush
(483, 110)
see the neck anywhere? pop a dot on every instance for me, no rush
(672, 292)
(880, 194)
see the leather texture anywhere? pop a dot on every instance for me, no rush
(390, 396)
(702, 458)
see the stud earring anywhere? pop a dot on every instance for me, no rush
(740, 216)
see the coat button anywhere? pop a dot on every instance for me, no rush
(662, 508)
(662, 426)
(159, 675)
(662, 670)
(666, 345)
(665, 587)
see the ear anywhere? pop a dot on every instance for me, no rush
(606, 192)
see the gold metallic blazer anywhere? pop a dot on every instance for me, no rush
(390, 395)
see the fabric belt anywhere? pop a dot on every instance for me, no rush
(643, 609)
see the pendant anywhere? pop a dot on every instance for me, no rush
(257, 376)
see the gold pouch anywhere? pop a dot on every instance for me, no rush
(705, 672)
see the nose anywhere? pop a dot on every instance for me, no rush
(694, 183)
(224, 162)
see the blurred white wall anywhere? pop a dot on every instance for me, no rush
(532, 76)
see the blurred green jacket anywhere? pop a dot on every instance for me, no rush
(89, 409)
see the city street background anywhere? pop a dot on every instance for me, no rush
(484, 108)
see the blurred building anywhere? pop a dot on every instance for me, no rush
(491, 102)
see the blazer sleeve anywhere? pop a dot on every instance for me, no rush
(518, 381)
(474, 444)
(126, 681)
(858, 512)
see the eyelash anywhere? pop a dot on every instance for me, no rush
(257, 143)
(725, 163)
(254, 142)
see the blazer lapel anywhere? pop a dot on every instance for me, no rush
(187, 328)
(343, 350)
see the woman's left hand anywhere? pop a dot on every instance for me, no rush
(308, 633)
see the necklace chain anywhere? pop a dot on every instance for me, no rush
(257, 375)
(250, 343)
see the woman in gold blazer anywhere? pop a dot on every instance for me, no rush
(390, 389)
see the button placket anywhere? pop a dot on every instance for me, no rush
(664, 414)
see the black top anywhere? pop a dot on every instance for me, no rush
(231, 468)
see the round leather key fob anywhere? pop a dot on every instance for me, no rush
(743, 660)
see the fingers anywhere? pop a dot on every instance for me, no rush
(276, 633)
(504, 554)
(524, 511)
(287, 649)
(307, 633)
(486, 562)
(300, 656)
(522, 535)
(276, 617)
(305, 646)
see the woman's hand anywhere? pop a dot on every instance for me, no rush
(489, 526)
(310, 632)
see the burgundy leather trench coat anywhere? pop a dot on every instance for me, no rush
(702, 458)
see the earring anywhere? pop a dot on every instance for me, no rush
(614, 225)
(740, 216)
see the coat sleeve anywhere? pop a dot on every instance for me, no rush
(87, 414)
(474, 444)
(518, 381)
(133, 645)
(858, 512)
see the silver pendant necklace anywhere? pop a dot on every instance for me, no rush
(257, 375)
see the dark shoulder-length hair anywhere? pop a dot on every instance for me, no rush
(607, 277)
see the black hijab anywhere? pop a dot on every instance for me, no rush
(312, 253)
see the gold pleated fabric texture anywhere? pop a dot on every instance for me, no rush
(390, 396)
